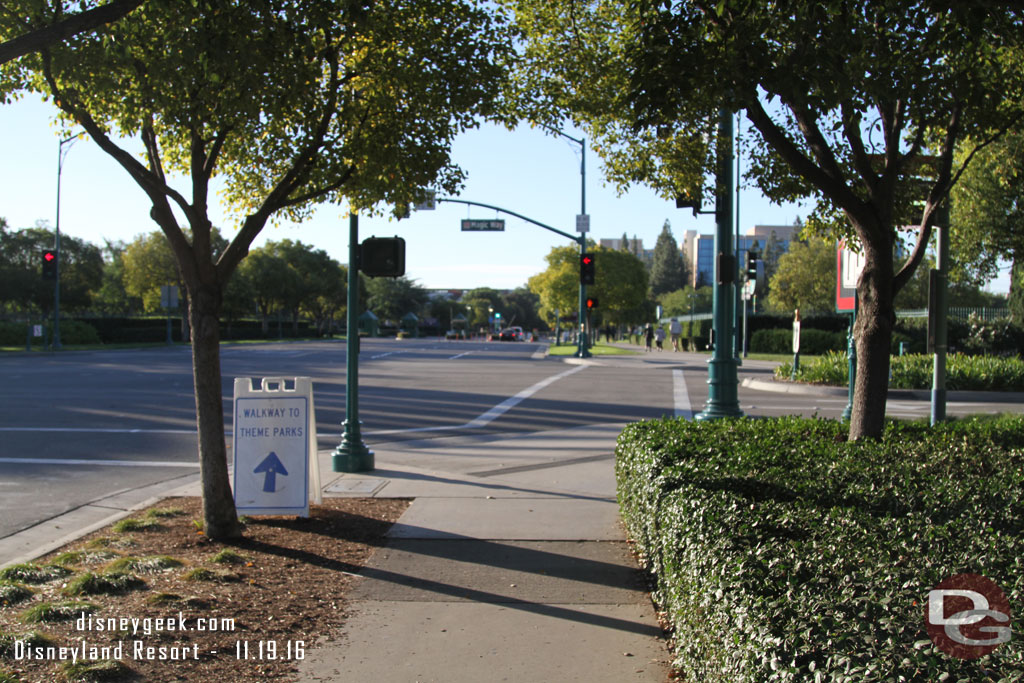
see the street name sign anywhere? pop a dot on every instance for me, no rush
(582, 223)
(274, 444)
(471, 225)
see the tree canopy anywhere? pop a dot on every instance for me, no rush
(861, 104)
(288, 103)
(668, 270)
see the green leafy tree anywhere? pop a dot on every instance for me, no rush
(147, 265)
(557, 286)
(804, 279)
(520, 306)
(362, 105)
(29, 27)
(844, 100)
(668, 271)
(268, 275)
(21, 284)
(112, 298)
(391, 298)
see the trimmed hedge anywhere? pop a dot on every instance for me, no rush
(782, 552)
(812, 342)
(963, 373)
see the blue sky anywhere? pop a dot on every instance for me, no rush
(526, 170)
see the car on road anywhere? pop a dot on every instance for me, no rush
(512, 334)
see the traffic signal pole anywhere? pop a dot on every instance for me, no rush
(582, 349)
(723, 399)
(352, 455)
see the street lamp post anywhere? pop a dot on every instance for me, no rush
(723, 398)
(61, 155)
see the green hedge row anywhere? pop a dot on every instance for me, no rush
(812, 342)
(71, 332)
(963, 373)
(782, 552)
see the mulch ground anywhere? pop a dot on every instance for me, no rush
(263, 601)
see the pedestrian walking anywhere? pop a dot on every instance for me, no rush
(659, 338)
(676, 330)
(648, 335)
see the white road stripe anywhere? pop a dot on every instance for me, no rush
(97, 430)
(464, 353)
(100, 463)
(680, 396)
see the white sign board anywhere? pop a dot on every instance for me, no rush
(274, 443)
(796, 336)
(582, 223)
(37, 330)
(168, 296)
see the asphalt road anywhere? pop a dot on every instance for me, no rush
(78, 426)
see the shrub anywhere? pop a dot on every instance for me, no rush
(109, 583)
(47, 612)
(13, 593)
(782, 552)
(31, 572)
(963, 373)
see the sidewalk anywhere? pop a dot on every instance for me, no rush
(513, 568)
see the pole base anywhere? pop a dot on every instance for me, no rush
(717, 412)
(352, 455)
(583, 349)
(352, 459)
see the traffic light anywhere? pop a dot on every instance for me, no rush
(752, 258)
(382, 257)
(49, 265)
(587, 269)
(591, 303)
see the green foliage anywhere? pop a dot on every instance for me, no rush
(48, 612)
(30, 572)
(668, 271)
(22, 287)
(782, 552)
(391, 298)
(106, 583)
(96, 671)
(812, 342)
(12, 593)
(129, 524)
(144, 565)
(229, 556)
(805, 278)
(33, 639)
(914, 371)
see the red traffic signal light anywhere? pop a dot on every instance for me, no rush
(591, 302)
(49, 265)
(587, 275)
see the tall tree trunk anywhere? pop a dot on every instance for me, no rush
(873, 333)
(219, 515)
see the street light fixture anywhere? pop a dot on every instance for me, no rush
(61, 155)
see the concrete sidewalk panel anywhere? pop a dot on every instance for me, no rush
(569, 518)
(555, 572)
(402, 642)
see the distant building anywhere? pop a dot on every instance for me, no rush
(700, 249)
(633, 246)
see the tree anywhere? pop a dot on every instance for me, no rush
(805, 278)
(391, 298)
(988, 217)
(148, 264)
(21, 284)
(362, 102)
(112, 298)
(647, 80)
(668, 271)
(620, 286)
(24, 32)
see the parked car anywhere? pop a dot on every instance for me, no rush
(512, 334)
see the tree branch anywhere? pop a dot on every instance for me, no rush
(40, 39)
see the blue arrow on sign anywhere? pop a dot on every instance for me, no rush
(272, 466)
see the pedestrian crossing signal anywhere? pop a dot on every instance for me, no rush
(591, 302)
(382, 257)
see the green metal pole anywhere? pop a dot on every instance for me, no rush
(938, 412)
(851, 360)
(352, 455)
(723, 399)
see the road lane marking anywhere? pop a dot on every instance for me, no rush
(389, 353)
(96, 430)
(680, 396)
(492, 414)
(464, 353)
(102, 463)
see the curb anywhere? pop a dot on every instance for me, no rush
(918, 394)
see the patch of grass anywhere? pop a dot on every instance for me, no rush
(203, 574)
(48, 612)
(164, 513)
(30, 572)
(104, 542)
(599, 349)
(108, 583)
(12, 593)
(76, 557)
(33, 639)
(135, 524)
(229, 556)
(8, 678)
(96, 672)
(145, 565)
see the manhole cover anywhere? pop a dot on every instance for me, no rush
(356, 487)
